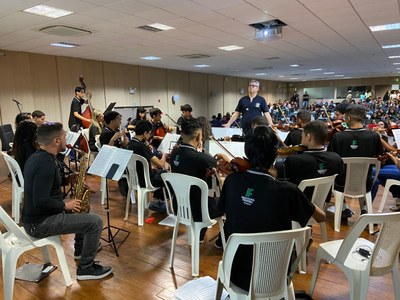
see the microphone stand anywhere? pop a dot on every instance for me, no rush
(18, 105)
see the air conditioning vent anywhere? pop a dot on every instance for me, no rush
(149, 28)
(273, 58)
(195, 56)
(62, 30)
(262, 68)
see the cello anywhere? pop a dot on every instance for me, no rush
(89, 109)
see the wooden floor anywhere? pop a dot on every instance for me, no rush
(142, 271)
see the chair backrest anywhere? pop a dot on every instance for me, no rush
(97, 143)
(85, 133)
(387, 244)
(356, 174)
(181, 185)
(21, 237)
(271, 257)
(322, 186)
(15, 170)
(132, 171)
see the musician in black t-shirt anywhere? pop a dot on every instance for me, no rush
(111, 135)
(254, 201)
(356, 141)
(75, 113)
(294, 136)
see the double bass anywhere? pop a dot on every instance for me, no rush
(89, 109)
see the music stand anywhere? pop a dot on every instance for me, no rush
(110, 163)
(110, 236)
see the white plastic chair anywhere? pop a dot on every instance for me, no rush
(17, 185)
(133, 185)
(322, 186)
(383, 259)
(388, 184)
(355, 186)
(15, 242)
(181, 185)
(271, 257)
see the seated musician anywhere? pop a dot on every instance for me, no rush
(158, 130)
(254, 201)
(356, 141)
(186, 159)
(294, 136)
(139, 146)
(186, 110)
(95, 129)
(111, 135)
(315, 161)
(44, 211)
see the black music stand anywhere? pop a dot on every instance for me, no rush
(110, 236)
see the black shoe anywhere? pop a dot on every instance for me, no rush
(346, 213)
(95, 271)
(309, 244)
(158, 206)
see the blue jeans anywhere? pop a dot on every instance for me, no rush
(89, 225)
(387, 172)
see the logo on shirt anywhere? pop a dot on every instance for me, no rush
(257, 105)
(322, 169)
(246, 199)
(176, 161)
(354, 145)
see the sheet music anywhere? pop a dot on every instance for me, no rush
(202, 288)
(72, 138)
(221, 132)
(283, 134)
(168, 142)
(108, 156)
(396, 135)
(235, 148)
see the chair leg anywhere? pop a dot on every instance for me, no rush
(62, 261)
(290, 291)
(128, 199)
(368, 203)
(173, 243)
(388, 184)
(140, 204)
(317, 266)
(395, 280)
(354, 279)
(9, 269)
(302, 264)
(218, 293)
(323, 231)
(195, 249)
(222, 232)
(338, 209)
(46, 254)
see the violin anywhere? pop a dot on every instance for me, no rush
(161, 130)
(282, 152)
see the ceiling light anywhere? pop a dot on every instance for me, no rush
(261, 74)
(295, 78)
(281, 76)
(385, 27)
(48, 11)
(347, 77)
(394, 56)
(397, 63)
(64, 45)
(397, 68)
(329, 73)
(230, 48)
(161, 26)
(201, 66)
(339, 75)
(304, 80)
(150, 57)
(313, 70)
(295, 65)
(391, 46)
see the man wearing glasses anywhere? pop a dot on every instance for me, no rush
(250, 106)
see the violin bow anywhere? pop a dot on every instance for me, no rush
(327, 115)
(283, 114)
(221, 146)
(173, 121)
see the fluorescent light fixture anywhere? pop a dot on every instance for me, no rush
(161, 26)
(339, 75)
(385, 27)
(394, 56)
(281, 76)
(150, 57)
(48, 11)
(313, 70)
(329, 73)
(261, 74)
(64, 45)
(201, 66)
(391, 46)
(295, 65)
(294, 78)
(230, 48)
(304, 80)
(397, 68)
(347, 77)
(397, 63)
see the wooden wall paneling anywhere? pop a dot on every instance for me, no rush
(15, 83)
(93, 73)
(178, 83)
(198, 95)
(153, 87)
(215, 94)
(45, 89)
(230, 94)
(118, 78)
